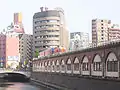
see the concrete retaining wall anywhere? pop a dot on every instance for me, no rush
(76, 82)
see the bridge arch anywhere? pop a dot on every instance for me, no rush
(53, 65)
(96, 66)
(63, 66)
(46, 65)
(112, 66)
(69, 65)
(49, 66)
(57, 65)
(16, 76)
(85, 66)
(43, 66)
(76, 66)
(40, 67)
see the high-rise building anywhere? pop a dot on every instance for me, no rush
(18, 26)
(2, 50)
(100, 30)
(114, 33)
(49, 29)
(79, 40)
(17, 18)
(12, 51)
(21, 48)
(25, 47)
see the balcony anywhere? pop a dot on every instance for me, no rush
(42, 44)
(47, 33)
(47, 23)
(50, 38)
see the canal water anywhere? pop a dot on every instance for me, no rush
(20, 86)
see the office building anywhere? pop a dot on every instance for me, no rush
(49, 29)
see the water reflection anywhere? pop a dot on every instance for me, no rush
(19, 86)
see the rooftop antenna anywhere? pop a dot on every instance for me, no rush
(41, 8)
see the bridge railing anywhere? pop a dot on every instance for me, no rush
(25, 72)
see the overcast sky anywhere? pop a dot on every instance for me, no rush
(78, 13)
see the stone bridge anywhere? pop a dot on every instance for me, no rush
(26, 73)
(101, 62)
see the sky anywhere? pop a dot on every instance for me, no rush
(78, 13)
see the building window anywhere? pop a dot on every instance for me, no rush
(85, 66)
(63, 67)
(112, 66)
(101, 20)
(76, 66)
(97, 66)
(68, 66)
(101, 27)
(57, 67)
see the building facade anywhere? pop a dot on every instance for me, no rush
(2, 50)
(100, 30)
(79, 40)
(17, 18)
(12, 51)
(49, 29)
(25, 48)
(114, 32)
(18, 25)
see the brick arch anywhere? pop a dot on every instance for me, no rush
(67, 60)
(61, 61)
(45, 62)
(110, 53)
(84, 57)
(57, 61)
(63, 58)
(95, 56)
(75, 58)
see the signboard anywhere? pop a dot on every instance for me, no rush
(15, 58)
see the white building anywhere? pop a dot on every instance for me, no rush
(79, 40)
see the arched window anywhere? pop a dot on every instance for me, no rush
(85, 65)
(97, 65)
(63, 65)
(112, 63)
(57, 65)
(76, 64)
(68, 64)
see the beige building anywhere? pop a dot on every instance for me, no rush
(100, 31)
(49, 29)
(25, 47)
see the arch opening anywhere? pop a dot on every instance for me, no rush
(85, 64)
(68, 64)
(97, 64)
(62, 65)
(76, 64)
(112, 63)
(57, 65)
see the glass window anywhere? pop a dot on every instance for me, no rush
(68, 66)
(85, 67)
(112, 66)
(76, 66)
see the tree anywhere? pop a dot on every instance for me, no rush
(36, 53)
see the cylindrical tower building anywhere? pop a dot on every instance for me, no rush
(49, 29)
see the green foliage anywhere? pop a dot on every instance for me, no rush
(36, 53)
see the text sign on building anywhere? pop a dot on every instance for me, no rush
(15, 58)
